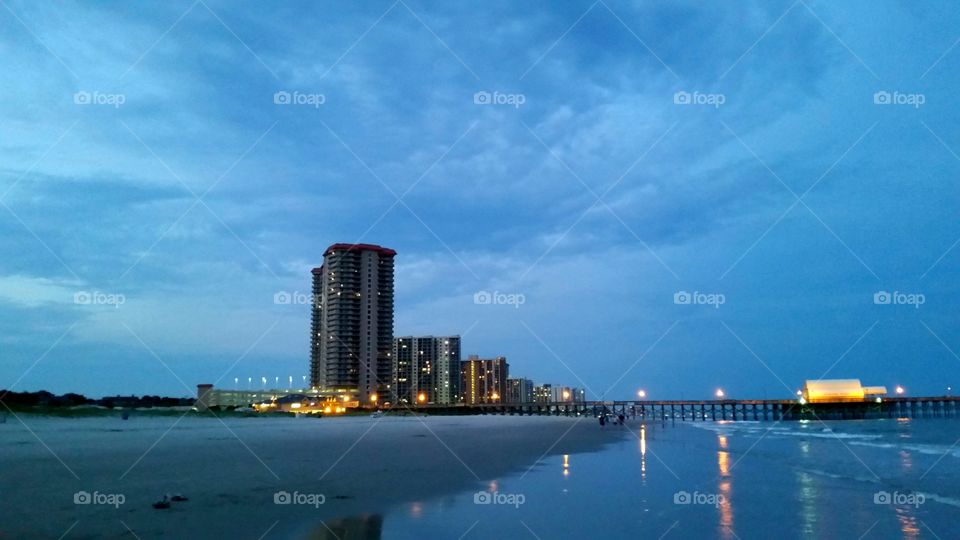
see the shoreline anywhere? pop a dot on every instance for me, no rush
(232, 469)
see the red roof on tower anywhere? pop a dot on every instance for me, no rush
(360, 247)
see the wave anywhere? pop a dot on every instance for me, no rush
(754, 429)
(929, 449)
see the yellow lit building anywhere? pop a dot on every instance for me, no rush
(484, 380)
(837, 390)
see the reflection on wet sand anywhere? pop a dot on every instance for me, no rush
(362, 527)
(723, 502)
(643, 453)
(908, 522)
(808, 502)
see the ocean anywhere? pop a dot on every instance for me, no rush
(884, 478)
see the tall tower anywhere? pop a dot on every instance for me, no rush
(351, 331)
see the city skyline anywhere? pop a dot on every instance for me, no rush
(770, 200)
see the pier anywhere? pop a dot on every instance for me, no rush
(723, 409)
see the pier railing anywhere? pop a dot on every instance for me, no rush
(727, 409)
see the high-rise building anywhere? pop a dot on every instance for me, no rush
(519, 391)
(426, 369)
(483, 380)
(351, 333)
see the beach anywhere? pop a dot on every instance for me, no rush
(232, 469)
(479, 477)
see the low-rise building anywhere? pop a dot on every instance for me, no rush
(519, 391)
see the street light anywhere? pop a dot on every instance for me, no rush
(421, 397)
(641, 394)
(720, 393)
(900, 390)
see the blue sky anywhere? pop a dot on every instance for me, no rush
(143, 157)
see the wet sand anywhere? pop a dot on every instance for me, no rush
(233, 470)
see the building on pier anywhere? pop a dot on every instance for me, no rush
(839, 390)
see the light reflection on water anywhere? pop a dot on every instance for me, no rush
(725, 490)
(808, 502)
(643, 454)
(796, 487)
(908, 523)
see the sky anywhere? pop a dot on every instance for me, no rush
(668, 196)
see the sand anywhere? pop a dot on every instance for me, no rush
(232, 470)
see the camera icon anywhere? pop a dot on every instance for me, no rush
(682, 298)
(881, 497)
(882, 298)
(82, 297)
(482, 298)
(482, 497)
(681, 98)
(282, 497)
(882, 98)
(282, 297)
(82, 98)
(281, 98)
(82, 497)
(681, 497)
(481, 98)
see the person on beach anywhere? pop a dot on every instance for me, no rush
(603, 420)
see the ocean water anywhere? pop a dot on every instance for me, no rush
(736, 480)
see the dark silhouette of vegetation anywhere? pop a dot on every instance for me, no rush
(47, 400)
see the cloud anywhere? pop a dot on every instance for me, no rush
(33, 292)
(112, 198)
